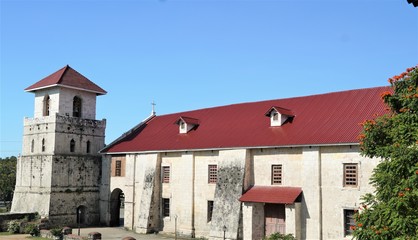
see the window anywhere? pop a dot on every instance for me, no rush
(210, 210)
(349, 221)
(350, 175)
(276, 174)
(76, 107)
(72, 145)
(166, 174)
(32, 146)
(118, 168)
(275, 116)
(46, 105)
(212, 173)
(88, 147)
(166, 207)
(43, 144)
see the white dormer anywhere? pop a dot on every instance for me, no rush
(186, 124)
(278, 116)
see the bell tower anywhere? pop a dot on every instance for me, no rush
(59, 172)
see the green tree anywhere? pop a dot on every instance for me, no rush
(7, 179)
(391, 212)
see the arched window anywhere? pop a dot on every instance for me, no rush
(46, 105)
(77, 107)
(43, 144)
(88, 147)
(32, 145)
(72, 145)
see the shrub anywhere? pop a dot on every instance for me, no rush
(31, 229)
(13, 226)
(57, 232)
(280, 236)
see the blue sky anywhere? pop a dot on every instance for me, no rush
(187, 55)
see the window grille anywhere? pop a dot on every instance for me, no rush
(166, 174)
(212, 173)
(210, 210)
(349, 222)
(118, 168)
(166, 207)
(276, 174)
(350, 175)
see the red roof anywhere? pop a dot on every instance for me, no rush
(271, 194)
(324, 119)
(188, 120)
(280, 110)
(67, 77)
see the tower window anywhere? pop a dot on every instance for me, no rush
(88, 147)
(72, 145)
(46, 105)
(43, 144)
(32, 146)
(77, 107)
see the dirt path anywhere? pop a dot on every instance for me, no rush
(15, 237)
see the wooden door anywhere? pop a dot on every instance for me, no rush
(274, 218)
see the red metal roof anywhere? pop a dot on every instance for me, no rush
(67, 77)
(331, 118)
(271, 194)
(188, 120)
(280, 110)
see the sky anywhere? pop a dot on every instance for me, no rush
(193, 54)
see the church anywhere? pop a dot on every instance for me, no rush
(240, 171)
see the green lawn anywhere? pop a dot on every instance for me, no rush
(4, 233)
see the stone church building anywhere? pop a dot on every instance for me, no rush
(240, 171)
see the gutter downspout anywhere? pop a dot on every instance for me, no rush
(133, 194)
(320, 193)
(193, 235)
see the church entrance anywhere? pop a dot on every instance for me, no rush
(274, 218)
(117, 208)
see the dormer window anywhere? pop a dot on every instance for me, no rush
(186, 124)
(278, 116)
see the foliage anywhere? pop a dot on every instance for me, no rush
(391, 212)
(31, 229)
(13, 226)
(279, 236)
(7, 179)
(57, 232)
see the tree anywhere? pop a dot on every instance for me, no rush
(7, 179)
(391, 212)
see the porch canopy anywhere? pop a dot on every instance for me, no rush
(271, 194)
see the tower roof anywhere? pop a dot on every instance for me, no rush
(67, 77)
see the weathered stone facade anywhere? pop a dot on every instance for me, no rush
(318, 170)
(59, 171)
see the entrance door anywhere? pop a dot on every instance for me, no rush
(274, 218)
(117, 205)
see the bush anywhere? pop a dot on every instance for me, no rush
(57, 232)
(31, 229)
(13, 226)
(279, 236)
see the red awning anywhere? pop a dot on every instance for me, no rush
(271, 194)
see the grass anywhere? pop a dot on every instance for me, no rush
(37, 238)
(5, 233)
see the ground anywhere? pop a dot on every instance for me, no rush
(107, 234)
